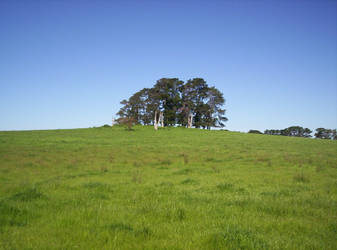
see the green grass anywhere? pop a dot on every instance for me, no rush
(175, 188)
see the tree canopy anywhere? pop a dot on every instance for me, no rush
(177, 101)
(254, 131)
(324, 133)
(296, 131)
(321, 133)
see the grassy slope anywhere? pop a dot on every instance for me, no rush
(174, 188)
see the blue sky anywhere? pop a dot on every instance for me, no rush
(68, 64)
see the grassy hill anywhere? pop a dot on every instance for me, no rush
(175, 188)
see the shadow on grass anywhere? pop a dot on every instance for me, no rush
(28, 195)
(12, 216)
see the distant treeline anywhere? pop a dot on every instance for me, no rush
(324, 133)
(291, 131)
(298, 131)
(171, 102)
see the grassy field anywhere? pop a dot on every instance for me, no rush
(175, 188)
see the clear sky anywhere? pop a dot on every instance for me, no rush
(68, 64)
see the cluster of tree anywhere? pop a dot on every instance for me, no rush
(298, 131)
(291, 131)
(172, 102)
(254, 131)
(324, 133)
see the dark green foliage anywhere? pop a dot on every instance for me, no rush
(253, 131)
(177, 101)
(204, 102)
(296, 131)
(323, 133)
(168, 97)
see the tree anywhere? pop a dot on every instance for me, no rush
(175, 103)
(273, 132)
(253, 131)
(334, 134)
(203, 103)
(124, 110)
(136, 107)
(166, 90)
(128, 122)
(215, 102)
(187, 106)
(197, 93)
(296, 131)
(307, 132)
(323, 133)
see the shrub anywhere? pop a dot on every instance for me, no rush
(128, 122)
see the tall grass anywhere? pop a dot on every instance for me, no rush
(109, 188)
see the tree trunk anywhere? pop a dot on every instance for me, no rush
(161, 118)
(155, 123)
(189, 120)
